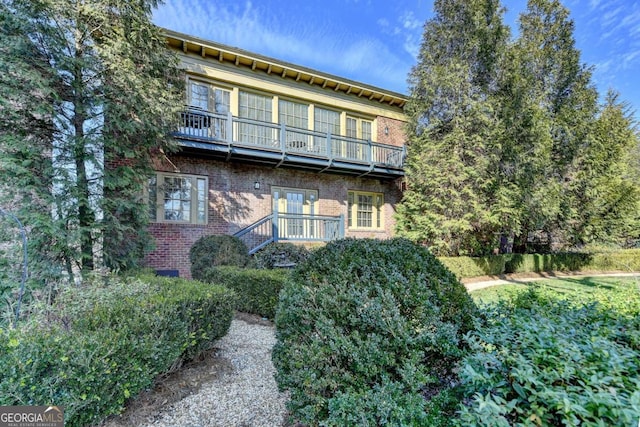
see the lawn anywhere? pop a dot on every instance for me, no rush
(586, 287)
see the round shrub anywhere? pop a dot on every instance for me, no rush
(216, 250)
(362, 327)
(278, 254)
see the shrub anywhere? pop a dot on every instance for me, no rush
(621, 260)
(216, 250)
(543, 359)
(257, 290)
(361, 326)
(103, 343)
(275, 254)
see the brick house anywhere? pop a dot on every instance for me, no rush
(274, 151)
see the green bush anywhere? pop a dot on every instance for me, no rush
(103, 343)
(621, 260)
(463, 266)
(275, 254)
(257, 290)
(217, 250)
(548, 359)
(362, 326)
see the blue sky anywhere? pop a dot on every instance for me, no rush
(377, 41)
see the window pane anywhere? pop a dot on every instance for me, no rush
(350, 210)
(202, 200)
(366, 130)
(352, 127)
(365, 210)
(153, 198)
(256, 107)
(199, 96)
(327, 121)
(177, 199)
(223, 101)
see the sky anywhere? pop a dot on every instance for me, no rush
(377, 41)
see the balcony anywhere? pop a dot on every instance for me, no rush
(230, 138)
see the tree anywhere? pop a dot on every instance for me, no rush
(548, 104)
(451, 128)
(607, 187)
(98, 80)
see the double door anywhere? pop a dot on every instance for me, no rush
(296, 209)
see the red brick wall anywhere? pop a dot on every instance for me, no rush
(396, 135)
(234, 203)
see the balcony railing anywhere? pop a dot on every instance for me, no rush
(226, 131)
(291, 227)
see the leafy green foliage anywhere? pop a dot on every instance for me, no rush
(278, 254)
(506, 140)
(88, 93)
(451, 128)
(362, 326)
(619, 260)
(217, 250)
(103, 343)
(257, 289)
(549, 358)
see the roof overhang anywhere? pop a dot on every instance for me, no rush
(241, 58)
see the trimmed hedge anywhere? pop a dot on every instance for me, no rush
(257, 289)
(102, 344)
(623, 260)
(362, 326)
(216, 250)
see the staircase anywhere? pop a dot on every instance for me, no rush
(278, 227)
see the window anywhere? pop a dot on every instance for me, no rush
(178, 198)
(256, 107)
(294, 115)
(364, 209)
(358, 128)
(209, 98)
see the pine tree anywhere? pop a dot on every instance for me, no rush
(106, 91)
(451, 128)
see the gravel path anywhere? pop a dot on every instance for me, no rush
(246, 396)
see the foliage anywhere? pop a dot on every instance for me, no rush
(217, 250)
(89, 92)
(492, 265)
(362, 326)
(545, 358)
(279, 253)
(606, 188)
(257, 289)
(103, 343)
(451, 129)
(506, 140)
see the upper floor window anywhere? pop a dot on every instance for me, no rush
(209, 98)
(256, 107)
(327, 121)
(178, 198)
(358, 128)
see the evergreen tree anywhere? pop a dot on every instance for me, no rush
(607, 188)
(109, 92)
(451, 128)
(547, 105)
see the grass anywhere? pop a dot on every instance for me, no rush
(581, 285)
